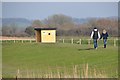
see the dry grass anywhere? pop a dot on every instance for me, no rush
(76, 72)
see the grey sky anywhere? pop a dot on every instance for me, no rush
(60, 0)
(41, 10)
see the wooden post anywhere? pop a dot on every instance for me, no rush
(80, 41)
(36, 41)
(63, 40)
(14, 41)
(22, 41)
(30, 40)
(114, 42)
(88, 41)
(72, 40)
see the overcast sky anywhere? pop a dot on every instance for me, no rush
(60, 0)
(41, 10)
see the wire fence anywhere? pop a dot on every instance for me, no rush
(113, 42)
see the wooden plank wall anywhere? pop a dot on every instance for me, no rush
(38, 35)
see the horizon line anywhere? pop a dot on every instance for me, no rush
(68, 16)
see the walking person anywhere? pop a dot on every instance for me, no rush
(95, 35)
(104, 35)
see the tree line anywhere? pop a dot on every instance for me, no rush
(65, 26)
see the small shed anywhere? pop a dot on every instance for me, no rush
(45, 35)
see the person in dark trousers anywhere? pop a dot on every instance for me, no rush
(104, 35)
(95, 35)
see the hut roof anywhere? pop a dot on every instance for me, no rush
(44, 28)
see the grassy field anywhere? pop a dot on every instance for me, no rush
(38, 60)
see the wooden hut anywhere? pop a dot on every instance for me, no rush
(45, 35)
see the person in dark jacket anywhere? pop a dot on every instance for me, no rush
(104, 35)
(95, 35)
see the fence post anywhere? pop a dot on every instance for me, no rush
(14, 41)
(114, 42)
(72, 40)
(30, 41)
(80, 41)
(63, 40)
(22, 41)
(88, 41)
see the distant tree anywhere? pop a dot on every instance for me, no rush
(9, 30)
(59, 21)
(30, 31)
(111, 25)
(92, 22)
(37, 23)
(5, 30)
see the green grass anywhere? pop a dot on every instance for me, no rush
(40, 57)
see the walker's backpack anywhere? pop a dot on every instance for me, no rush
(95, 35)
